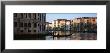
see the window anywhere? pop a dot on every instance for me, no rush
(21, 30)
(15, 24)
(15, 14)
(40, 28)
(87, 20)
(44, 17)
(21, 24)
(43, 27)
(25, 24)
(93, 19)
(38, 25)
(35, 25)
(21, 15)
(29, 15)
(38, 14)
(29, 24)
(25, 15)
(29, 30)
(38, 18)
(34, 15)
(34, 30)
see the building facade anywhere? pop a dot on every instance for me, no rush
(85, 24)
(62, 24)
(49, 26)
(29, 23)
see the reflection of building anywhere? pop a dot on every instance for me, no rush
(85, 23)
(75, 24)
(68, 24)
(62, 24)
(29, 23)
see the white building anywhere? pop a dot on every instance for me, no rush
(66, 24)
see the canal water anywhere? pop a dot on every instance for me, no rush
(58, 35)
(67, 35)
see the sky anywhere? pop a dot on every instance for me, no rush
(54, 16)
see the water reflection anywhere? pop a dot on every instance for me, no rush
(66, 35)
(61, 32)
(58, 35)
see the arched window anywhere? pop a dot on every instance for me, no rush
(29, 24)
(21, 24)
(29, 30)
(35, 25)
(25, 24)
(29, 14)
